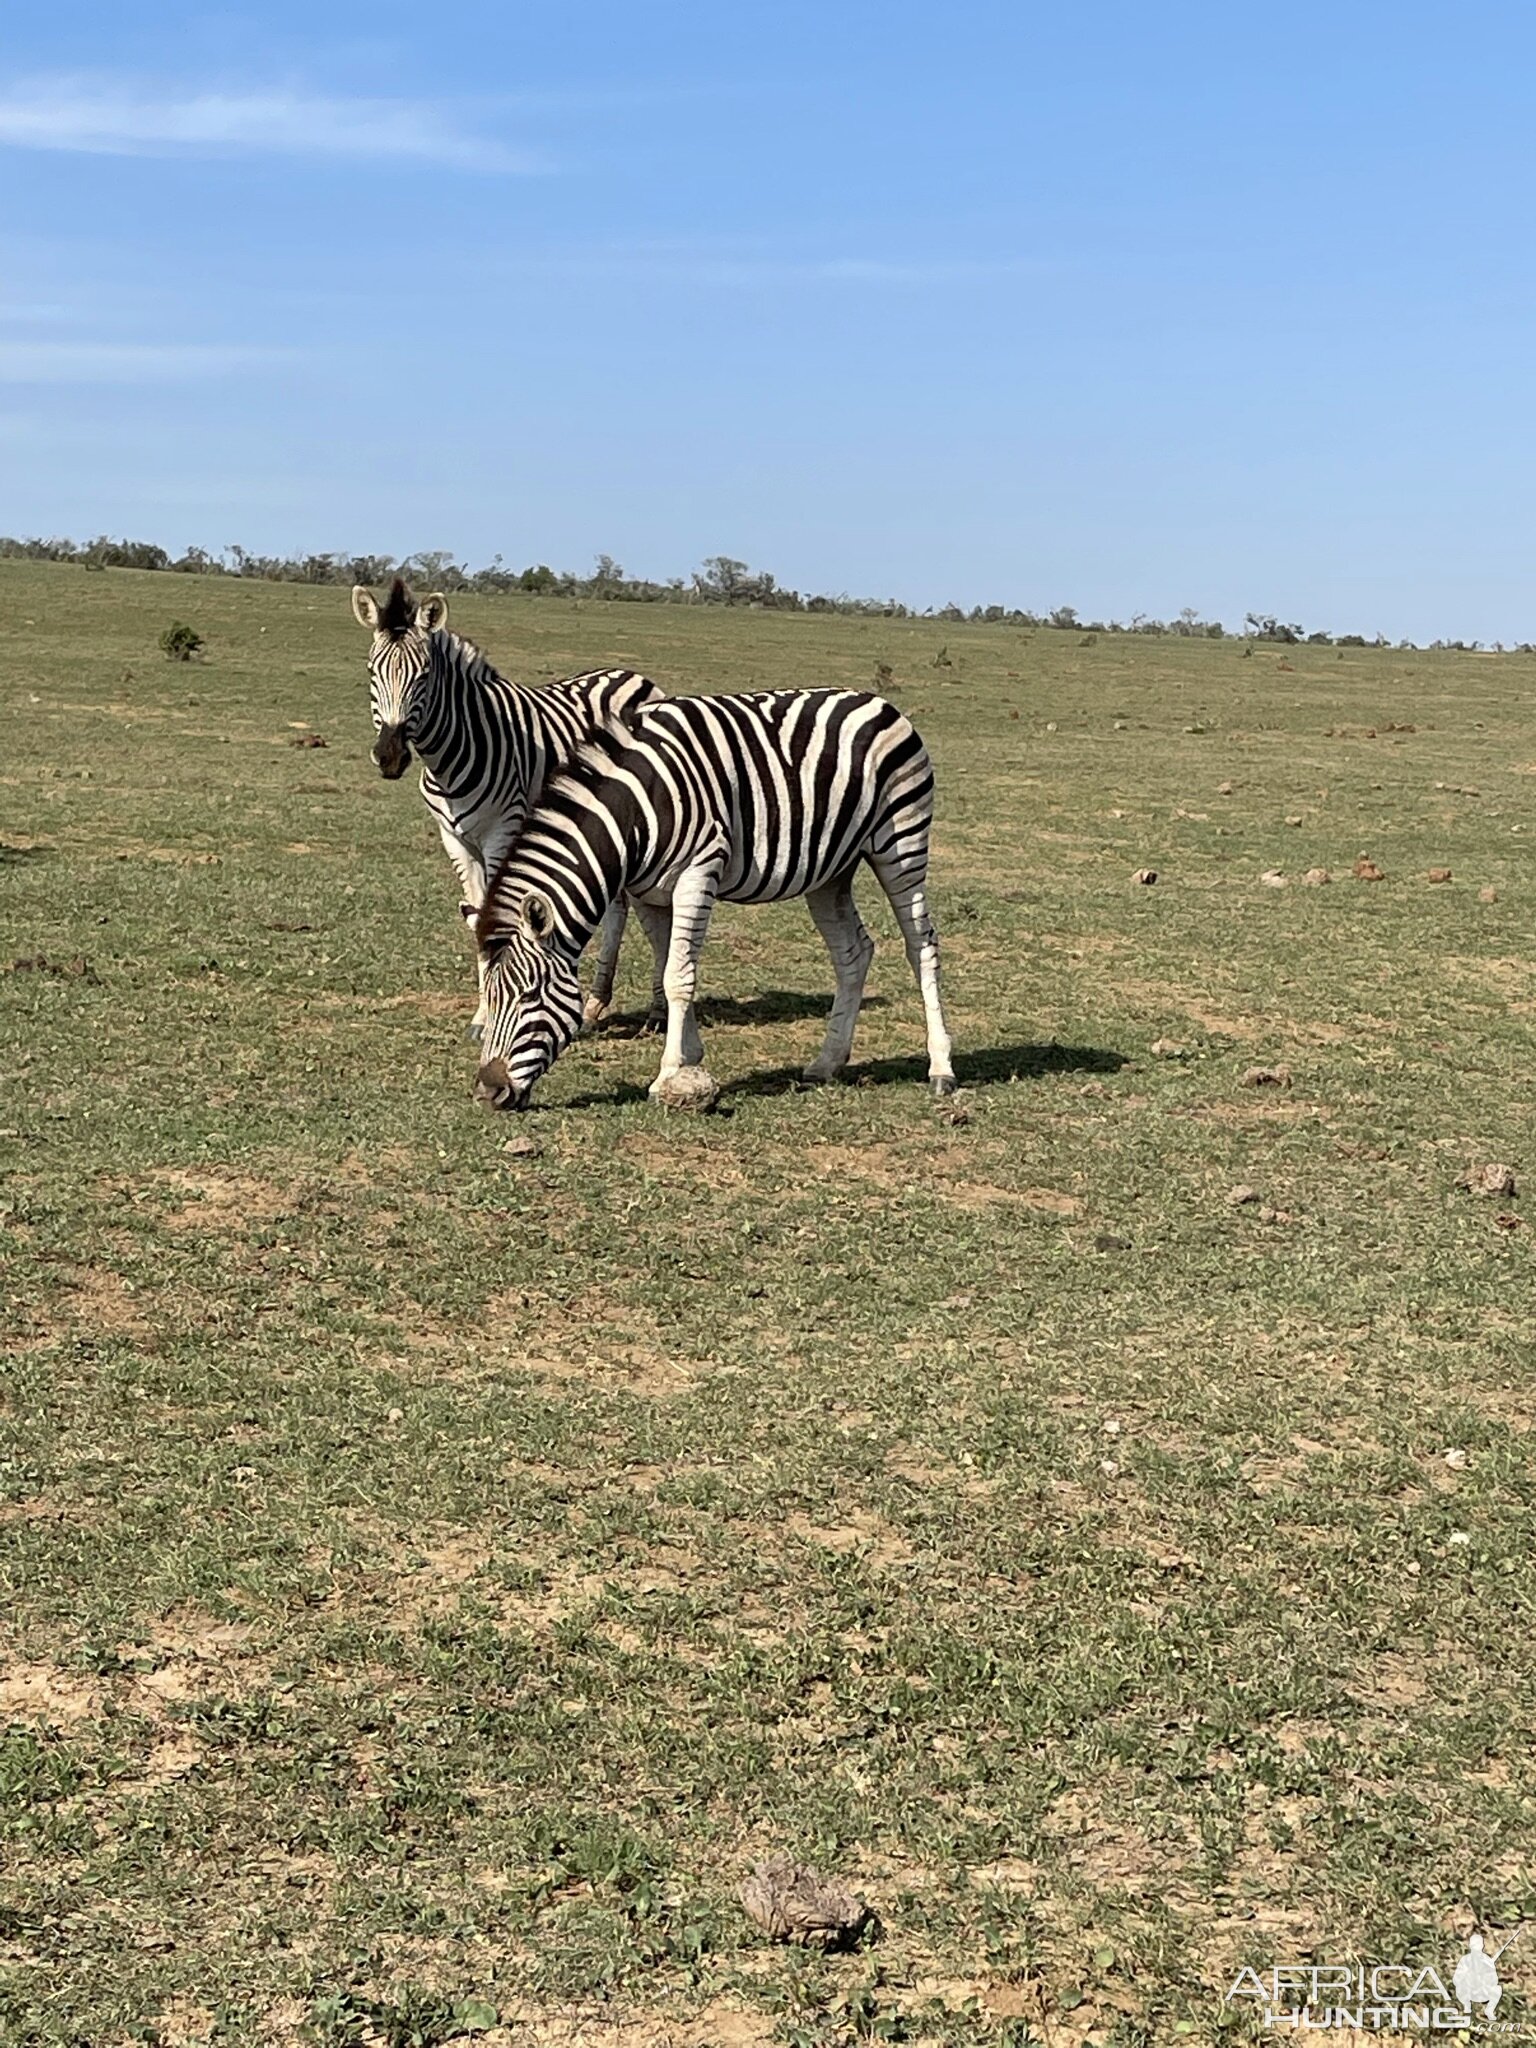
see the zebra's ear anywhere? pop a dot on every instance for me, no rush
(537, 918)
(364, 608)
(432, 612)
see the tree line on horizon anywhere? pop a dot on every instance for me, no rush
(720, 580)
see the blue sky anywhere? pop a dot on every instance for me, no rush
(1111, 303)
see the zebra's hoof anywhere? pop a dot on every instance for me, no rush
(942, 1085)
(593, 1011)
(690, 1088)
(818, 1076)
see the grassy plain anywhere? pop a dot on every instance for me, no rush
(430, 1577)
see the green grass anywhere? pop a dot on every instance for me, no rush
(430, 1577)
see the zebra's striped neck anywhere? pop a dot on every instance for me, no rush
(459, 682)
(577, 851)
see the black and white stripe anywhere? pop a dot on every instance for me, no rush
(487, 745)
(745, 799)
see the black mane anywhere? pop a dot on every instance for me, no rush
(399, 612)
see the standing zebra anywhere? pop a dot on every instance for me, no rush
(487, 746)
(749, 799)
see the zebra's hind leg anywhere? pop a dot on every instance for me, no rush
(905, 893)
(656, 920)
(836, 917)
(692, 902)
(600, 1001)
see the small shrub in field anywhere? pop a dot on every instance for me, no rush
(179, 641)
(885, 675)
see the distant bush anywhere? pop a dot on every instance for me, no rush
(1265, 626)
(179, 641)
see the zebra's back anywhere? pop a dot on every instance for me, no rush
(795, 787)
(600, 696)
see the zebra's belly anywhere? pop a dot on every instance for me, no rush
(789, 875)
(749, 883)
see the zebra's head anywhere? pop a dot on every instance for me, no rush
(399, 662)
(531, 999)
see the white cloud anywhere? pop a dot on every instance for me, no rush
(114, 362)
(115, 120)
(752, 268)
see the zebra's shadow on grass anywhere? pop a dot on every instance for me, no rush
(986, 1067)
(773, 1006)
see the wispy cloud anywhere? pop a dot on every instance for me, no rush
(108, 119)
(754, 269)
(121, 362)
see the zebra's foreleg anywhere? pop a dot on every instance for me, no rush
(692, 901)
(836, 917)
(600, 1001)
(656, 921)
(472, 888)
(922, 942)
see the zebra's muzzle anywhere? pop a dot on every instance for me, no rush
(391, 752)
(493, 1087)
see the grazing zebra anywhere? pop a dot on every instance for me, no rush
(745, 799)
(487, 746)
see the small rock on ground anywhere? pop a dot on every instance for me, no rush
(1488, 1180)
(792, 1902)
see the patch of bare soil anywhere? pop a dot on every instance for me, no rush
(384, 1163)
(1257, 1903)
(601, 1341)
(1398, 1682)
(103, 1300)
(678, 1161)
(1111, 1854)
(1162, 995)
(944, 1170)
(47, 1696)
(918, 1469)
(172, 856)
(1501, 975)
(636, 1367)
(194, 1656)
(221, 1201)
(1008, 1873)
(871, 1535)
(1260, 1109)
(429, 1582)
(721, 2024)
(185, 2025)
